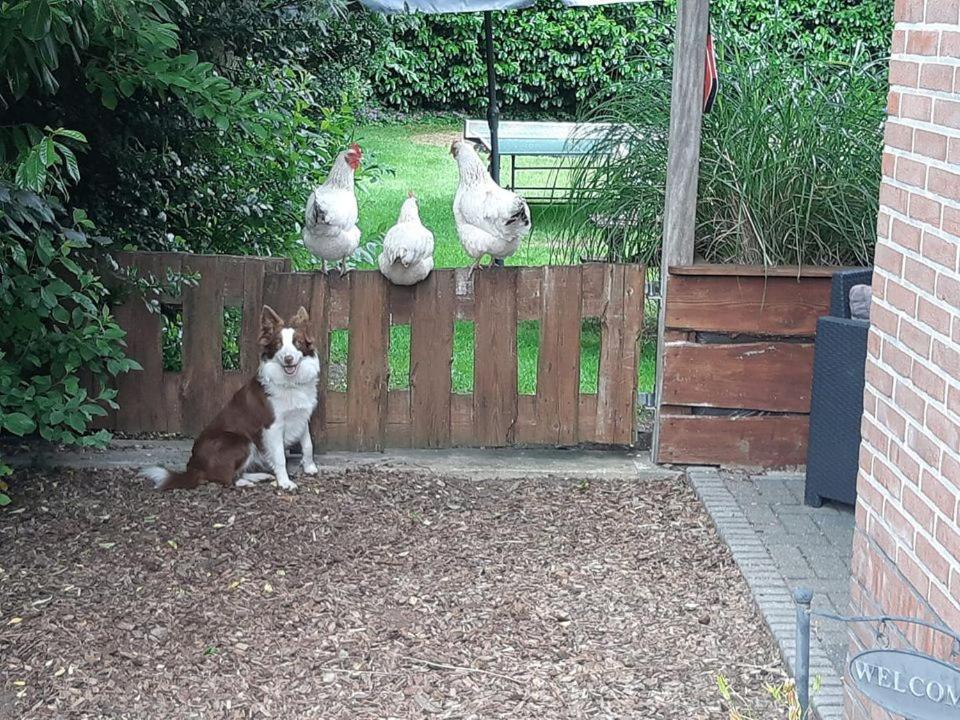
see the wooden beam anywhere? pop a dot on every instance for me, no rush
(683, 160)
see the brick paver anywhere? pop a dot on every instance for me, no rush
(781, 544)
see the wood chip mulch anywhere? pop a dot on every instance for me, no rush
(374, 593)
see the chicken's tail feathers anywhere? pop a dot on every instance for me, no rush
(163, 479)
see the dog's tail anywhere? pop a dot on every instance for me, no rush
(163, 479)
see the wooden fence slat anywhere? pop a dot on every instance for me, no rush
(621, 324)
(495, 356)
(747, 305)
(558, 371)
(766, 441)
(202, 376)
(752, 376)
(367, 369)
(431, 355)
(318, 308)
(398, 429)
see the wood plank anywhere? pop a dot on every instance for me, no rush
(367, 368)
(202, 376)
(592, 280)
(747, 305)
(251, 306)
(587, 424)
(495, 356)
(752, 376)
(431, 355)
(786, 271)
(318, 310)
(558, 369)
(461, 421)
(398, 430)
(621, 324)
(338, 288)
(765, 441)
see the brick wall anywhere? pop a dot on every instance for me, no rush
(906, 556)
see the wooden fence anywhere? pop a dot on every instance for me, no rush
(738, 364)
(369, 416)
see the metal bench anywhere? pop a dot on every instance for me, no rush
(538, 139)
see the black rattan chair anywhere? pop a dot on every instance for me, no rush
(836, 403)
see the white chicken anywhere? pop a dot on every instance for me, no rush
(330, 226)
(407, 256)
(490, 220)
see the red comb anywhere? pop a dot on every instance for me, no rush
(356, 148)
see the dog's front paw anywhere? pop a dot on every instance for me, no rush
(310, 468)
(287, 484)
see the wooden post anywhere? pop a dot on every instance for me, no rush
(683, 160)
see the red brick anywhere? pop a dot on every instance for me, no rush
(934, 316)
(905, 234)
(899, 42)
(948, 289)
(888, 164)
(894, 198)
(953, 150)
(897, 136)
(943, 11)
(897, 359)
(920, 274)
(924, 446)
(910, 402)
(887, 478)
(893, 104)
(909, 467)
(901, 297)
(943, 428)
(936, 77)
(930, 144)
(946, 112)
(904, 72)
(923, 42)
(936, 249)
(917, 107)
(908, 11)
(883, 225)
(934, 489)
(951, 221)
(915, 338)
(892, 421)
(916, 574)
(874, 436)
(947, 357)
(945, 184)
(950, 44)
(948, 537)
(953, 405)
(932, 559)
(911, 172)
(889, 259)
(924, 209)
(899, 523)
(884, 320)
(929, 382)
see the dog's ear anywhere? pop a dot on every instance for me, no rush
(301, 319)
(269, 320)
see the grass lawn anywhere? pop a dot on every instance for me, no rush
(416, 157)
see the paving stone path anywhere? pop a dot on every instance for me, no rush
(781, 544)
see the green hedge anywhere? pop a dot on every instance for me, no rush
(553, 58)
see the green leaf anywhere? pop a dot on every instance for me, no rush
(18, 423)
(36, 20)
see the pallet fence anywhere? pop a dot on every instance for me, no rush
(368, 415)
(738, 364)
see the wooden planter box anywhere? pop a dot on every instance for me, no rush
(738, 364)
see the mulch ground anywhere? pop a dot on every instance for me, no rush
(371, 594)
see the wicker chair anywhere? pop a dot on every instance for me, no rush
(836, 403)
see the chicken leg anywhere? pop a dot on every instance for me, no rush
(343, 266)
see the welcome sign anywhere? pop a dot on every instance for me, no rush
(918, 687)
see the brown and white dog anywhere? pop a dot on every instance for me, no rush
(267, 415)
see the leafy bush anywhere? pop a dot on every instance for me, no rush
(789, 165)
(553, 58)
(56, 323)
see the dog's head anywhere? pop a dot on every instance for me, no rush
(287, 348)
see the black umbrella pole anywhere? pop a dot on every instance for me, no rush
(493, 112)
